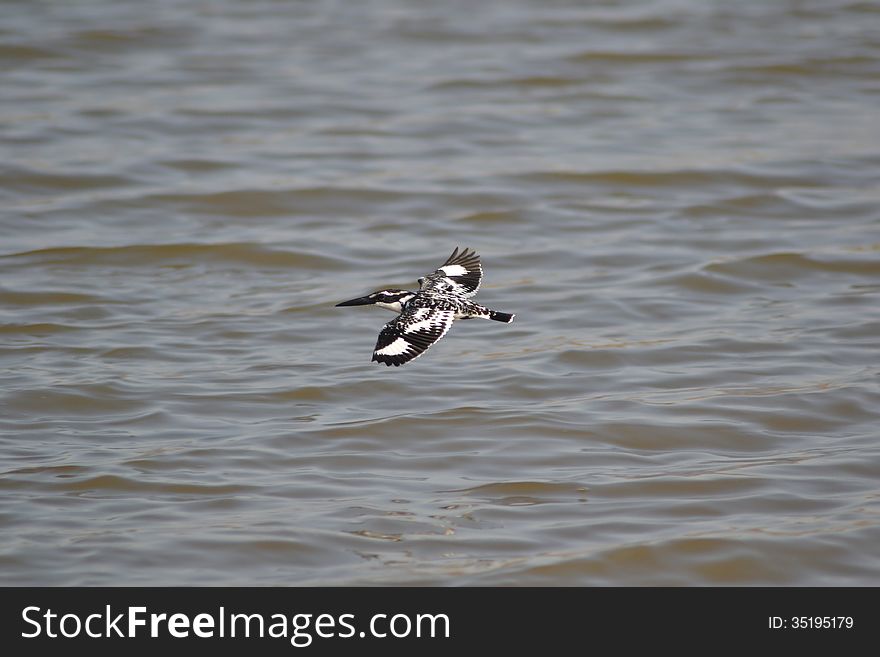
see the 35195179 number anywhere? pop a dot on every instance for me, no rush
(810, 622)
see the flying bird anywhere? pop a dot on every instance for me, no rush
(426, 316)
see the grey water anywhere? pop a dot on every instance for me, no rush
(679, 200)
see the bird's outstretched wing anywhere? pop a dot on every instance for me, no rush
(410, 334)
(460, 274)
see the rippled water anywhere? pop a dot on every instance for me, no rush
(679, 200)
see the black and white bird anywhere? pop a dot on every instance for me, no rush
(426, 316)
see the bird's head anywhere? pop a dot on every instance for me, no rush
(389, 299)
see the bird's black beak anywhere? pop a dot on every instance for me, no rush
(360, 301)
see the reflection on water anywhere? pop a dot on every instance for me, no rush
(677, 199)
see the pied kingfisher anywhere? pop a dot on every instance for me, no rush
(425, 316)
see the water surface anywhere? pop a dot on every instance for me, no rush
(678, 199)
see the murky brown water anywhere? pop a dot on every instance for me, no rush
(679, 200)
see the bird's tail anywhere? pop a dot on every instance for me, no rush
(507, 318)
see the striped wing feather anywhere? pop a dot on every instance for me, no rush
(411, 334)
(460, 274)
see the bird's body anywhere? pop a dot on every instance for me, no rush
(426, 316)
